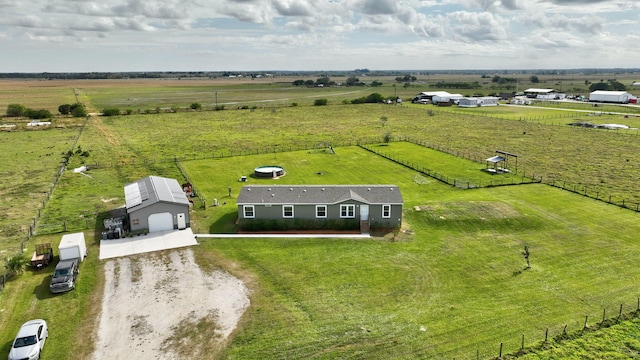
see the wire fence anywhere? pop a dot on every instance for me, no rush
(33, 229)
(450, 180)
(555, 335)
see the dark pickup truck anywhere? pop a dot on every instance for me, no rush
(64, 277)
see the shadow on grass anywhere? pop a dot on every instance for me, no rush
(41, 291)
(225, 224)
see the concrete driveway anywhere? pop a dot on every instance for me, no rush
(161, 240)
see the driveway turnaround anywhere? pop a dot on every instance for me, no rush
(156, 241)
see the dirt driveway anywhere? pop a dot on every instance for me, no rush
(163, 306)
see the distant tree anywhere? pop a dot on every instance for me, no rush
(309, 83)
(298, 82)
(534, 79)
(64, 109)
(495, 79)
(370, 99)
(37, 114)
(374, 98)
(599, 86)
(407, 78)
(383, 119)
(78, 110)
(320, 102)
(196, 106)
(15, 110)
(617, 86)
(219, 108)
(387, 138)
(353, 81)
(324, 81)
(376, 83)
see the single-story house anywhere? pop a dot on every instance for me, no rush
(377, 206)
(478, 101)
(156, 204)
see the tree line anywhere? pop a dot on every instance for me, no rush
(18, 110)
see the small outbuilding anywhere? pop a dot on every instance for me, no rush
(365, 206)
(156, 204)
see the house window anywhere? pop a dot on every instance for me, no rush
(386, 211)
(287, 211)
(321, 211)
(135, 221)
(347, 211)
(249, 211)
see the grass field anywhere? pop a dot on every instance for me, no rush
(434, 293)
(452, 284)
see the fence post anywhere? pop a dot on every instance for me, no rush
(620, 313)
(500, 350)
(604, 314)
(586, 318)
(522, 345)
(546, 335)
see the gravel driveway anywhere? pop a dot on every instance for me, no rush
(163, 306)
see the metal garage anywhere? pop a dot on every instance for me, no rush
(156, 204)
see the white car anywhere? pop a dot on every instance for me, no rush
(29, 341)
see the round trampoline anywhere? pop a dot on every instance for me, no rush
(268, 171)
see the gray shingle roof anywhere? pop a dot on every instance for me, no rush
(319, 194)
(151, 190)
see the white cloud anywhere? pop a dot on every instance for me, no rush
(271, 33)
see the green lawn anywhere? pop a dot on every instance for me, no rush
(456, 286)
(451, 284)
(459, 286)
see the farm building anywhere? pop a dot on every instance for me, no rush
(156, 204)
(478, 101)
(377, 206)
(449, 98)
(427, 96)
(535, 92)
(620, 97)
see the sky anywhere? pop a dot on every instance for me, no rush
(299, 35)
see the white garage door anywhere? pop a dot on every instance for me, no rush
(160, 222)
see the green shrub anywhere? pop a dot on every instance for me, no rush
(15, 110)
(111, 112)
(320, 102)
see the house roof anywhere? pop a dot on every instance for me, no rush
(539, 91)
(152, 190)
(319, 194)
(435, 93)
(606, 92)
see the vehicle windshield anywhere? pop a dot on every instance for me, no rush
(62, 272)
(25, 341)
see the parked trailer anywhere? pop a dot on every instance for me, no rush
(73, 246)
(42, 255)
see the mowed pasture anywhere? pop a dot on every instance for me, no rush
(447, 229)
(452, 283)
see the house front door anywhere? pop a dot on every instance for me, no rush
(364, 212)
